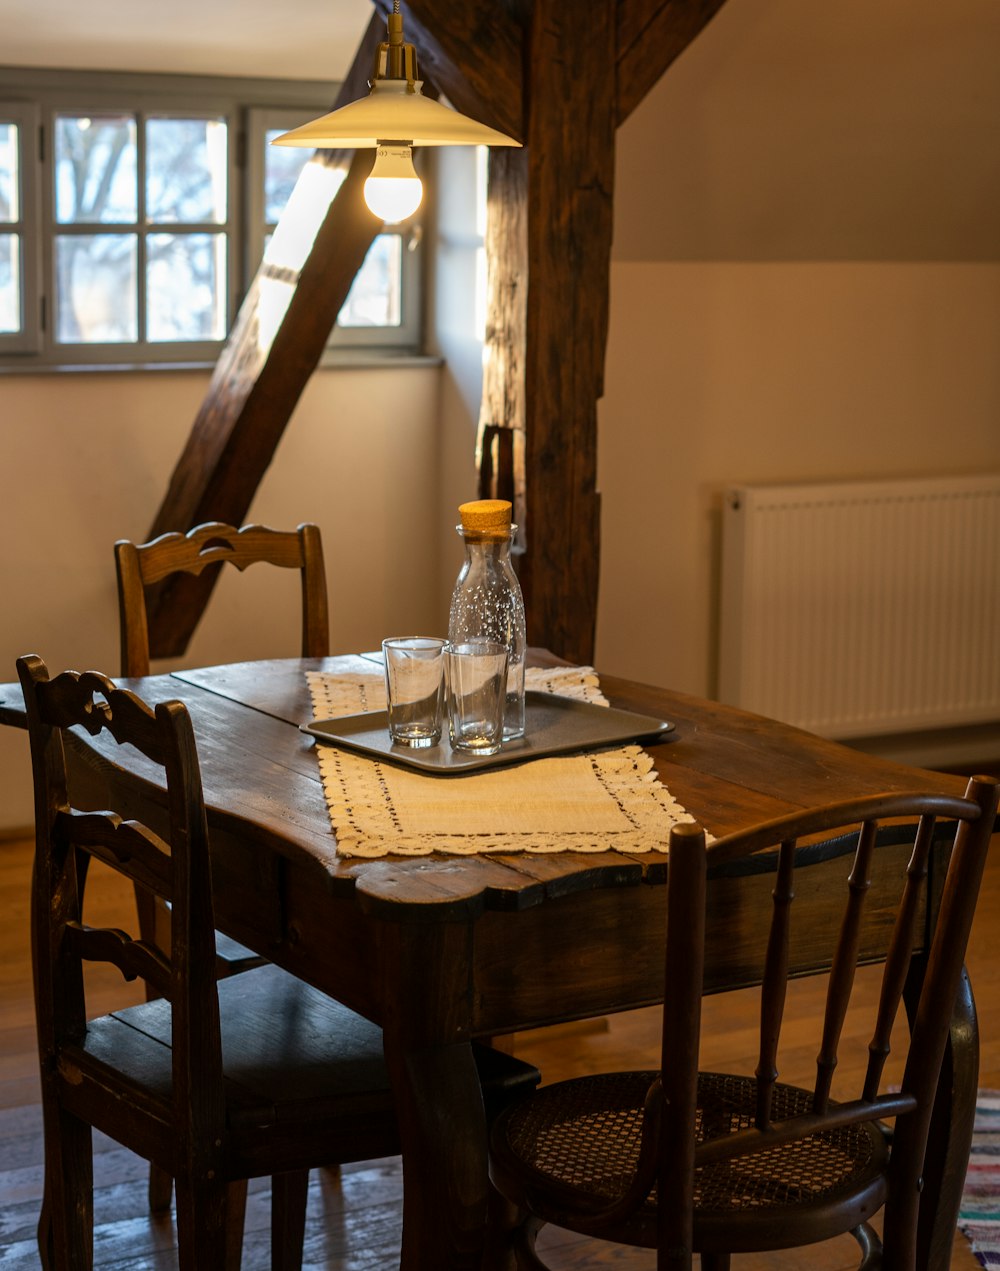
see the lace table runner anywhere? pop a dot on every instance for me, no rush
(594, 802)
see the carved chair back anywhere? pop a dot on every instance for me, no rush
(142, 566)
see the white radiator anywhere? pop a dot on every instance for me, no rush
(866, 608)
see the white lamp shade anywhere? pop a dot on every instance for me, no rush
(392, 113)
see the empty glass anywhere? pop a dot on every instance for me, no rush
(477, 685)
(414, 681)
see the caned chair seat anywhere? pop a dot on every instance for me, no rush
(581, 1139)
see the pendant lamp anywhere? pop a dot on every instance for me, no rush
(394, 117)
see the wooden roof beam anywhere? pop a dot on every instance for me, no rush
(257, 382)
(651, 35)
(549, 235)
(472, 51)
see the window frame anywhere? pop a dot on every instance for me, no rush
(26, 117)
(405, 336)
(142, 350)
(248, 106)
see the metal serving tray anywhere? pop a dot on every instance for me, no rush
(553, 726)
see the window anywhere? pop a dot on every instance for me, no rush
(18, 281)
(134, 211)
(384, 303)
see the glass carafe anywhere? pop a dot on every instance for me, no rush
(487, 601)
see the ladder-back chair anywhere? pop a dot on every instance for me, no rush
(143, 565)
(216, 1081)
(685, 1162)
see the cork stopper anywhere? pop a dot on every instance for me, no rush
(486, 518)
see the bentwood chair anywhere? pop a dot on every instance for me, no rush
(683, 1161)
(216, 1081)
(145, 565)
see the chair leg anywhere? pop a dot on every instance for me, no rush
(201, 1225)
(46, 1254)
(66, 1224)
(503, 1223)
(236, 1212)
(871, 1247)
(161, 1189)
(525, 1257)
(715, 1261)
(289, 1195)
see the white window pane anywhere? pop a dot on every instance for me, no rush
(186, 164)
(186, 286)
(10, 284)
(282, 165)
(375, 298)
(95, 176)
(8, 173)
(96, 288)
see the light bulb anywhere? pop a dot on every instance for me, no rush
(393, 191)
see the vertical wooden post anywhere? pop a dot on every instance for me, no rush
(552, 211)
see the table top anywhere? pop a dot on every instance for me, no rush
(727, 767)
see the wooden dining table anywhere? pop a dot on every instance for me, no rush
(442, 949)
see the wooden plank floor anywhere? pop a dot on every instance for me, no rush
(354, 1221)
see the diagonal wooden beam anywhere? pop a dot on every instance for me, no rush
(258, 379)
(473, 54)
(650, 35)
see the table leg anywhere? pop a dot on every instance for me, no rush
(443, 1129)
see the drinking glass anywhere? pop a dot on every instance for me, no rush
(477, 685)
(414, 681)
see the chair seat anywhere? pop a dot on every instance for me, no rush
(573, 1148)
(294, 1061)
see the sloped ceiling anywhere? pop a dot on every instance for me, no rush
(791, 130)
(310, 39)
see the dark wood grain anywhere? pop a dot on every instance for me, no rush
(205, 549)
(552, 283)
(652, 34)
(472, 53)
(503, 409)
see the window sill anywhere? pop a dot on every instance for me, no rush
(337, 360)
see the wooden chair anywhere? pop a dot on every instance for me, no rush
(684, 1161)
(143, 565)
(217, 1081)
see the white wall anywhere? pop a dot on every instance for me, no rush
(805, 286)
(770, 372)
(86, 459)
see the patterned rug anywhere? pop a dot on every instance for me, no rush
(979, 1217)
